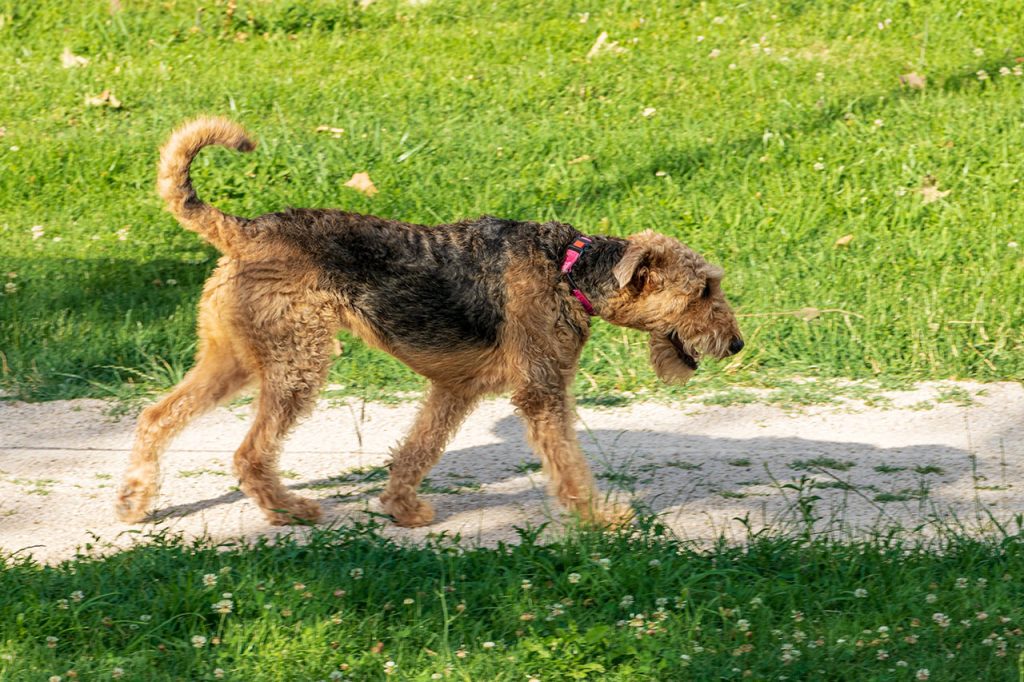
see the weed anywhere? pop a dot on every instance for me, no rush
(822, 463)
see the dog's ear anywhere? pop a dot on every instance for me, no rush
(634, 269)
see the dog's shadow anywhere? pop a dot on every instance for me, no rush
(658, 472)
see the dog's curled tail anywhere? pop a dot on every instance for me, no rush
(175, 185)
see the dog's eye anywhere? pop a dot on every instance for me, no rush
(707, 291)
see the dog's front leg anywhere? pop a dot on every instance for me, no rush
(549, 428)
(441, 414)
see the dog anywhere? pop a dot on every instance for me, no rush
(477, 307)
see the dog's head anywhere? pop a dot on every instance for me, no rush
(668, 290)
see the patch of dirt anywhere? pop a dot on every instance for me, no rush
(942, 455)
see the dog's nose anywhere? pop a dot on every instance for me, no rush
(736, 346)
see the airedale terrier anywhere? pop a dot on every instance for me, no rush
(480, 306)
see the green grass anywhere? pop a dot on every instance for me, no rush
(636, 606)
(797, 134)
(822, 463)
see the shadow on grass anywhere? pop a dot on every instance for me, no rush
(682, 162)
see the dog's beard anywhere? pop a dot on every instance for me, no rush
(671, 360)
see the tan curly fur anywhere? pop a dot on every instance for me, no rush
(476, 307)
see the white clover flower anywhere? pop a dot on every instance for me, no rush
(210, 579)
(714, 53)
(356, 573)
(37, 232)
(930, 598)
(743, 625)
(941, 619)
(117, 673)
(961, 583)
(63, 605)
(982, 75)
(198, 641)
(218, 673)
(860, 593)
(77, 596)
(526, 585)
(574, 578)
(224, 606)
(408, 600)
(654, 563)
(626, 601)
(51, 642)
(923, 674)
(819, 166)
(488, 645)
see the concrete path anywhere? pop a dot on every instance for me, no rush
(924, 460)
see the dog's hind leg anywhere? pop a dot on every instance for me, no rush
(442, 413)
(216, 377)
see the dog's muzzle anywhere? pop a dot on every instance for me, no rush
(685, 356)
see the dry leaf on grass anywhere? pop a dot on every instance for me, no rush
(807, 314)
(844, 240)
(581, 159)
(914, 80)
(361, 182)
(104, 99)
(602, 45)
(648, 112)
(70, 60)
(335, 132)
(930, 190)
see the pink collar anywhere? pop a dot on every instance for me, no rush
(572, 254)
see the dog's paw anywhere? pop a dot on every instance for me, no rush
(409, 513)
(133, 501)
(295, 511)
(606, 516)
(614, 516)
